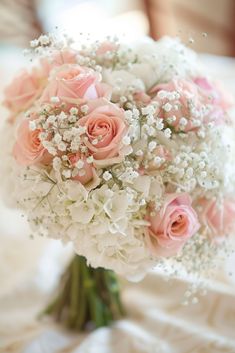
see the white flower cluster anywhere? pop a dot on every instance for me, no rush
(122, 151)
(146, 63)
(100, 223)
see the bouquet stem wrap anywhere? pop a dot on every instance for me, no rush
(88, 298)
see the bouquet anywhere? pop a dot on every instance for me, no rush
(125, 151)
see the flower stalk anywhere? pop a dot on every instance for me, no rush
(88, 298)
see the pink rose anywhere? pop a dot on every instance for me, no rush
(28, 149)
(105, 47)
(218, 216)
(58, 58)
(22, 91)
(217, 93)
(172, 226)
(105, 128)
(190, 102)
(89, 176)
(219, 99)
(73, 84)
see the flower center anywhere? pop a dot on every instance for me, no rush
(179, 225)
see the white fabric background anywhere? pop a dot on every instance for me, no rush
(157, 321)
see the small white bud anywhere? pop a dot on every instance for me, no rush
(203, 174)
(203, 155)
(84, 109)
(189, 172)
(57, 138)
(55, 99)
(158, 160)
(167, 133)
(62, 146)
(51, 119)
(128, 115)
(73, 111)
(90, 159)
(183, 122)
(79, 164)
(34, 43)
(126, 140)
(67, 173)
(167, 107)
(152, 145)
(139, 153)
(95, 141)
(32, 125)
(107, 175)
(62, 115)
(177, 160)
(161, 94)
(123, 99)
(201, 165)
(44, 40)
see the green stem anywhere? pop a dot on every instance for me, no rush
(88, 298)
(73, 309)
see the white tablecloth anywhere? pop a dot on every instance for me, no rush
(157, 321)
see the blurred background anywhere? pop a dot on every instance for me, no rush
(22, 20)
(204, 25)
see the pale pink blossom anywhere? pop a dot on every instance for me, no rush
(22, 91)
(218, 95)
(218, 215)
(172, 225)
(105, 47)
(74, 84)
(105, 128)
(56, 59)
(28, 149)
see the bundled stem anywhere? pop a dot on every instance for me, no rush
(88, 298)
